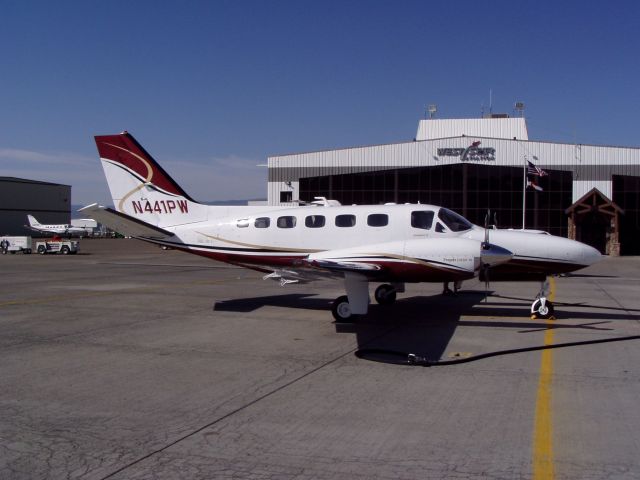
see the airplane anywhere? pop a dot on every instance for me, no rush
(60, 229)
(387, 244)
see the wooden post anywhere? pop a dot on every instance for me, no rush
(572, 227)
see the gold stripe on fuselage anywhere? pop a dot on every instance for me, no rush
(260, 247)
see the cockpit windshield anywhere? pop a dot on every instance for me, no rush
(453, 221)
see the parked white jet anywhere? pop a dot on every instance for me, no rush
(60, 229)
(387, 244)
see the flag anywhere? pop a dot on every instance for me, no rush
(533, 170)
(475, 144)
(534, 185)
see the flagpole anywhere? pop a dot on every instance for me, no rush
(524, 190)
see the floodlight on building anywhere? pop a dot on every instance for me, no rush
(432, 109)
(519, 107)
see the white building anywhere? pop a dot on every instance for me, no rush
(591, 192)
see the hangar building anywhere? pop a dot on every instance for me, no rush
(590, 192)
(48, 202)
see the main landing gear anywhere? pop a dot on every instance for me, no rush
(356, 302)
(542, 308)
(341, 310)
(456, 286)
(385, 294)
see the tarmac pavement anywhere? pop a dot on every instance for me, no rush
(129, 362)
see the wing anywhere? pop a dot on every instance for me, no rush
(124, 224)
(424, 260)
(372, 261)
(365, 266)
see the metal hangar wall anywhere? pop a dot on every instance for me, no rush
(48, 202)
(472, 165)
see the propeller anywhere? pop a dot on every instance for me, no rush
(484, 247)
(490, 254)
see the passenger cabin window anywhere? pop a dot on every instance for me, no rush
(345, 221)
(286, 222)
(314, 221)
(242, 223)
(422, 219)
(378, 220)
(455, 222)
(262, 222)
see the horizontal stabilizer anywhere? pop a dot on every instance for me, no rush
(123, 223)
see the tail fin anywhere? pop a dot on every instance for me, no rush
(32, 221)
(140, 187)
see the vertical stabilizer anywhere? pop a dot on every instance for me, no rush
(141, 188)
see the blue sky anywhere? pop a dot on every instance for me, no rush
(212, 88)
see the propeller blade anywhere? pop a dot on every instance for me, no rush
(487, 219)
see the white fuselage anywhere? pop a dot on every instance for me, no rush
(277, 236)
(61, 229)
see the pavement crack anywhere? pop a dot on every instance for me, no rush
(245, 406)
(230, 414)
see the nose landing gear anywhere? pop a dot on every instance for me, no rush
(542, 308)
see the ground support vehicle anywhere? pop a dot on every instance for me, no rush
(65, 247)
(15, 244)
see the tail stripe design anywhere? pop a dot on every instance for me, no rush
(124, 150)
(149, 175)
(147, 179)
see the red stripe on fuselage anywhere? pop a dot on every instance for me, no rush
(404, 271)
(548, 267)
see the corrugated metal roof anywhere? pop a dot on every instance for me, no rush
(486, 141)
(590, 165)
(25, 180)
(507, 128)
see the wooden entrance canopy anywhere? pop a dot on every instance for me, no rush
(596, 203)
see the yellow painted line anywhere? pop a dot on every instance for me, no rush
(75, 296)
(552, 289)
(543, 466)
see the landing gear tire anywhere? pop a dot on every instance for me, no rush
(385, 294)
(540, 309)
(341, 310)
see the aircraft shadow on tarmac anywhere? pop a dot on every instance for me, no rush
(425, 324)
(304, 301)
